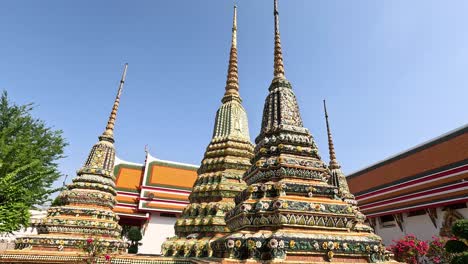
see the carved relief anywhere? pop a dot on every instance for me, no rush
(451, 215)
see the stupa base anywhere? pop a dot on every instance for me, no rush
(310, 261)
(51, 257)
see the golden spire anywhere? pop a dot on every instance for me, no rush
(333, 161)
(109, 132)
(278, 65)
(232, 82)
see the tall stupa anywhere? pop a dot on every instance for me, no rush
(337, 179)
(219, 180)
(290, 212)
(84, 210)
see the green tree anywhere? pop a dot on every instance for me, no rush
(134, 235)
(459, 246)
(29, 151)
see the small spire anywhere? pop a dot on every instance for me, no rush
(232, 82)
(278, 63)
(333, 161)
(109, 132)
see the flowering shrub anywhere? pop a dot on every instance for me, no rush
(414, 251)
(437, 253)
(409, 249)
(94, 249)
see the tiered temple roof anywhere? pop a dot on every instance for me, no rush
(220, 175)
(84, 209)
(128, 179)
(155, 186)
(430, 175)
(289, 212)
(166, 185)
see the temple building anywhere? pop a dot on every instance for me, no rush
(290, 212)
(420, 191)
(155, 194)
(275, 202)
(107, 196)
(151, 196)
(84, 210)
(219, 179)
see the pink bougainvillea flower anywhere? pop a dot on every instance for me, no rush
(409, 249)
(89, 240)
(107, 257)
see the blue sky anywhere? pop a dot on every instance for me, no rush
(394, 73)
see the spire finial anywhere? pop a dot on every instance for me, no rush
(109, 132)
(232, 82)
(333, 161)
(278, 63)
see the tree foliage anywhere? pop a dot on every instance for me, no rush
(134, 235)
(460, 229)
(459, 246)
(29, 151)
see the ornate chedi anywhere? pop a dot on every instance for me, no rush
(290, 212)
(84, 210)
(337, 178)
(219, 180)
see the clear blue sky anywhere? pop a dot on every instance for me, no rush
(394, 73)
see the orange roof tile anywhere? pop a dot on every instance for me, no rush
(128, 177)
(171, 175)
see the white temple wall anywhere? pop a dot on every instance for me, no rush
(7, 240)
(463, 212)
(421, 226)
(159, 228)
(388, 234)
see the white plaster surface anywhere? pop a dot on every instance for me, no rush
(421, 226)
(159, 228)
(35, 215)
(7, 240)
